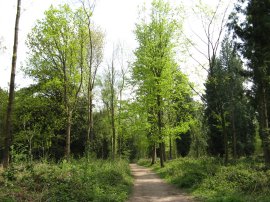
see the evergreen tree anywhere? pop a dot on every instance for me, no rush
(253, 42)
(228, 108)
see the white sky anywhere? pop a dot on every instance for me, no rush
(116, 17)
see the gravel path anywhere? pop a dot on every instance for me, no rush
(148, 187)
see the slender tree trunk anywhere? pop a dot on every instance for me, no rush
(161, 155)
(8, 127)
(120, 136)
(225, 136)
(170, 148)
(160, 130)
(90, 129)
(113, 134)
(164, 151)
(91, 79)
(112, 82)
(264, 126)
(68, 129)
(154, 154)
(234, 136)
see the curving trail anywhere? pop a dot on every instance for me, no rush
(148, 187)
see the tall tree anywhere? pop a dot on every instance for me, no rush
(111, 81)
(8, 128)
(227, 108)
(254, 44)
(94, 59)
(57, 60)
(155, 65)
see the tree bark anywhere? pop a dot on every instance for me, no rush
(68, 131)
(90, 129)
(8, 128)
(225, 136)
(154, 154)
(161, 155)
(112, 82)
(160, 130)
(170, 148)
(264, 126)
(164, 151)
(234, 136)
(113, 133)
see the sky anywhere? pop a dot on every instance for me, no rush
(116, 18)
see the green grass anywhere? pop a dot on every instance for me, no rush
(67, 181)
(208, 180)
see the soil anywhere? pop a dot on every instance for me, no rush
(149, 187)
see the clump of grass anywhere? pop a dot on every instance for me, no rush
(209, 180)
(80, 180)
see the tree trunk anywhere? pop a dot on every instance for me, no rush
(68, 129)
(164, 151)
(234, 136)
(91, 79)
(90, 129)
(170, 148)
(161, 155)
(160, 130)
(154, 154)
(8, 127)
(113, 111)
(264, 126)
(113, 134)
(225, 136)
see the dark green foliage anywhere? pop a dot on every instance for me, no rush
(183, 144)
(39, 123)
(251, 24)
(75, 181)
(229, 112)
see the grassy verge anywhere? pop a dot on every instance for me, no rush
(67, 181)
(209, 180)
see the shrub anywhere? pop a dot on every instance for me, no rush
(70, 181)
(209, 180)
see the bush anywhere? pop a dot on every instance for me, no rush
(70, 181)
(209, 180)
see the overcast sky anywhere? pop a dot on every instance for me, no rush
(116, 17)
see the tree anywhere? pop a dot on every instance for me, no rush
(111, 82)
(198, 130)
(94, 59)
(39, 124)
(154, 66)
(8, 127)
(227, 107)
(57, 58)
(254, 45)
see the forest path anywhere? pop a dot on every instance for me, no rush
(148, 187)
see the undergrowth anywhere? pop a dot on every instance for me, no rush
(80, 180)
(209, 180)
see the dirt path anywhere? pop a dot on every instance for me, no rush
(148, 187)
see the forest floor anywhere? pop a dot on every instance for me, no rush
(149, 187)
